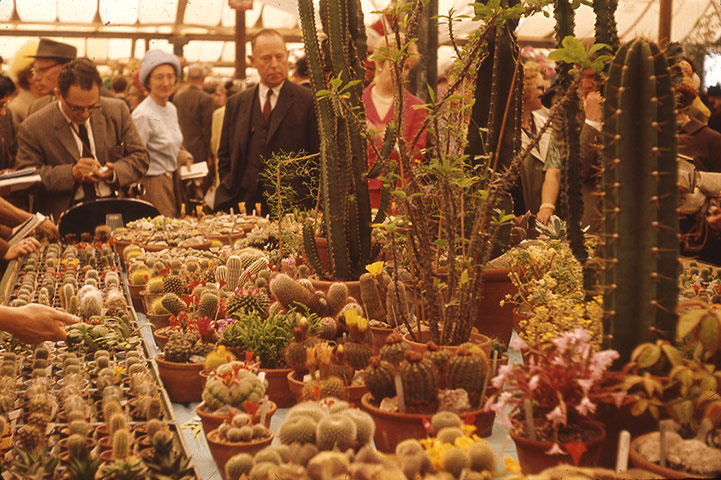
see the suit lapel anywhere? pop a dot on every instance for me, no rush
(98, 123)
(65, 136)
(282, 106)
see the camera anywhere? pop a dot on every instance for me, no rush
(132, 191)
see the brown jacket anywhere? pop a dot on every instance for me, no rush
(195, 116)
(46, 142)
(702, 143)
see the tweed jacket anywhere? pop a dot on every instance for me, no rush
(292, 128)
(195, 116)
(46, 142)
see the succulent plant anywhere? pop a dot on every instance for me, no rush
(640, 198)
(420, 382)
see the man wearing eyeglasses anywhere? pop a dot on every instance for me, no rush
(84, 146)
(49, 59)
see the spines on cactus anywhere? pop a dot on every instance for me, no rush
(640, 199)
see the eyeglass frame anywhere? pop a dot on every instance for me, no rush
(76, 109)
(43, 70)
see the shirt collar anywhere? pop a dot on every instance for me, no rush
(263, 90)
(67, 119)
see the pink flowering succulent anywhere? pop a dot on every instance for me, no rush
(564, 381)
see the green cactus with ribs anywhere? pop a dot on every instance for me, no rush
(640, 198)
(343, 149)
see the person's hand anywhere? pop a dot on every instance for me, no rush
(36, 323)
(105, 174)
(544, 215)
(23, 247)
(86, 170)
(714, 219)
(592, 106)
(49, 228)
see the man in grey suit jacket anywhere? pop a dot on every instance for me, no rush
(277, 115)
(83, 146)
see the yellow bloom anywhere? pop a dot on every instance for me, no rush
(375, 269)
(511, 465)
(463, 442)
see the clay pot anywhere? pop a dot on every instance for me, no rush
(420, 347)
(532, 454)
(136, 297)
(210, 421)
(496, 321)
(352, 394)
(393, 427)
(161, 336)
(278, 390)
(223, 451)
(379, 337)
(665, 472)
(353, 288)
(181, 380)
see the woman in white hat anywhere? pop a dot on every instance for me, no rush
(157, 122)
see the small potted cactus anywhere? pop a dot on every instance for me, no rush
(180, 365)
(234, 387)
(438, 380)
(238, 435)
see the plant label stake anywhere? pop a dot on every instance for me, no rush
(399, 393)
(528, 412)
(624, 444)
(662, 438)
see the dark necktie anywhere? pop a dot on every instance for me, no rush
(88, 188)
(266, 106)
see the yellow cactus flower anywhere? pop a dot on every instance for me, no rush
(375, 269)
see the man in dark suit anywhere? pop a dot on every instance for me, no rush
(276, 115)
(84, 146)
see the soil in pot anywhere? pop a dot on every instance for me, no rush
(671, 470)
(585, 439)
(181, 380)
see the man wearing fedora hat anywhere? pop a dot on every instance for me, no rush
(49, 59)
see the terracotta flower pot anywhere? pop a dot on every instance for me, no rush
(379, 337)
(496, 321)
(353, 288)
(136, 297)
(223, 451)
(161, 336)
(420, 347)
(352, 394)
(533, 458)
(181, 380)
(393, 427)
(665, 472)
(210, 421)
(278, 390)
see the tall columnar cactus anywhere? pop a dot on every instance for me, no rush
(343, 149)
(570, 146)
(606, 31)
(640, 197)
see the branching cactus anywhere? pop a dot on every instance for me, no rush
(640, 197)
(343, 149)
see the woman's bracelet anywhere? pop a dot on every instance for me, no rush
(547, 205)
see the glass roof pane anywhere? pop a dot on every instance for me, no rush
(163, 45)
(97, 49)
(119, 12)
(6, 10)
(202, 51)
(158, 11)
(120, 47)
(77, 11)
(37, 11)
(206, 12)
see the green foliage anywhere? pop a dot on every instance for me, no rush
(575, 53)
(268, 338)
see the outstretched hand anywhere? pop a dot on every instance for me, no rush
(35, 323)
(23, 247)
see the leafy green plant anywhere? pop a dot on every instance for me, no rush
(266, 338)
